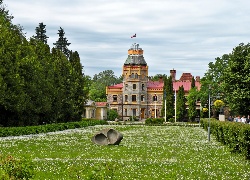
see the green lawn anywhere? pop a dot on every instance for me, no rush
(146, 152)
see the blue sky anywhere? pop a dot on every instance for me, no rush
(175, 34)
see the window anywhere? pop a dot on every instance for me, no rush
(126, 86)
(134, 86)
(133, 98)
(126, 112)
(126, 98)
(142, 87)
(114, 98)
(154, 98)
(142, 97)
(136, 76)
(132, 75)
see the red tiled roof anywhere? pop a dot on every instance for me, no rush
(186, 85)
(100, 103)
(116, 86)
(155, 84)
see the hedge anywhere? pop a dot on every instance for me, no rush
(18, 131)
(233, 134)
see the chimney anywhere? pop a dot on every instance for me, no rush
(161, 80)
(197, 79)
(173, 74)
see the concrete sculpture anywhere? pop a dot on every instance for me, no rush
(107, 137)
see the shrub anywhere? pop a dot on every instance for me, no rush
(112, 115)
(12, 168)
(171, 120)
(154, 121)
(17, 131)
(133, 118)
(235, 135)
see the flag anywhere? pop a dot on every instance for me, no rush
(133, 36)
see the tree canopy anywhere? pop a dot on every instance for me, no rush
(229, 78)
(37, 85)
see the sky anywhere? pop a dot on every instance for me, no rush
(184, 35)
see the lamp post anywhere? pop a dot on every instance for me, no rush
(155, 105)
(175, 105)
(122, 106)
(208, 129)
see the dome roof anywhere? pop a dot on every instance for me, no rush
(135, 56)
(135, 60)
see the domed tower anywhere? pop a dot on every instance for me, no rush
(135, 78)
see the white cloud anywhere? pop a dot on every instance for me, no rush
(185, 35)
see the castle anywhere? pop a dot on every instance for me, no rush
(137, 95)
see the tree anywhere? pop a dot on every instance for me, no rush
(191, 99)
(168, 88)
(62, 43)
(180, 104)
(193, 82)
(236, 82)
(79, 96)
(100, 81)
(12, 93)
(157, 77)
(40, 33)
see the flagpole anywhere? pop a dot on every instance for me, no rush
(175, 105)
(155, 105)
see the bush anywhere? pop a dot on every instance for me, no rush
(235, 135)
(112, 115)
(133, 118)
(154, 121)
(11, 168)
(172, 120)
(18, 131)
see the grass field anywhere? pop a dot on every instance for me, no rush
(146, 152)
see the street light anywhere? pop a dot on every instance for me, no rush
(208, 129)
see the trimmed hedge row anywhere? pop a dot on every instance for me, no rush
(18, 131)
(154, 121)
(235, 135)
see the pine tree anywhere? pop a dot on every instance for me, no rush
(193, 82)
(181, 104)
(168, 88)
(40, 33)
(192, 98)
(62, 43)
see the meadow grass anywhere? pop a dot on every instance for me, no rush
(146, 152)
